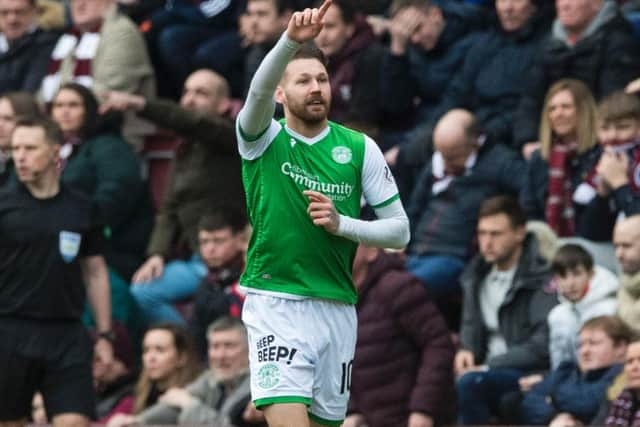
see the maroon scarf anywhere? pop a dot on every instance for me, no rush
(559, 210)
(624, 411)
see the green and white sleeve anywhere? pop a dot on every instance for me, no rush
(391, 229)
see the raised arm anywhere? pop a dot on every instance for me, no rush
(255, 116)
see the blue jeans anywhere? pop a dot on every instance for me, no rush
(479, 393)
(179, 281)
(439, 273)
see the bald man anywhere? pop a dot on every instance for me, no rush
(626, 238)
(465, 170)
(206, 175)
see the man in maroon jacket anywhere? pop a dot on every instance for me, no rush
(404, 351)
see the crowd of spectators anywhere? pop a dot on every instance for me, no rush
(512, 127)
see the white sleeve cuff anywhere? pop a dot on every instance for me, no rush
(391, 230)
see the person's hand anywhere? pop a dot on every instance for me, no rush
(322, 211)
(633, 87)
(253, 415)
(379, 24)
(528, 149)
(151, 269)
(613, 168)
(307, 24)
(103, 351)
(417, 419)
(391, 155)
(178, 397)
(403, 25)
(121, 101)
(122, 420)
(564, 419)
(354, 420)
(463, 362)
(529, 381)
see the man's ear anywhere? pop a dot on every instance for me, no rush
(279, 95)
(223, 106)
(56, 151)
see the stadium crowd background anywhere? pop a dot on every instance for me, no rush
(512, 128)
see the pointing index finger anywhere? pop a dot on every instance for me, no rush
(316, 195)
(323, 9)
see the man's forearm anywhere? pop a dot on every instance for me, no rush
(391, 230)
(259, 107)
(96, 277)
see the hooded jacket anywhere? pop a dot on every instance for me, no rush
(403, 354)
(522, 317)
(566, 318)
(354, 73)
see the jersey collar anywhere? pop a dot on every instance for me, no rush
(308, 141)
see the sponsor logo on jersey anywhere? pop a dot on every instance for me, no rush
(268, 376)
(69, 245)
(341, 154)
(336, 191)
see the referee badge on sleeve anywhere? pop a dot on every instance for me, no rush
(69, 244)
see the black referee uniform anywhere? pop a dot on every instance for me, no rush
(43, 345)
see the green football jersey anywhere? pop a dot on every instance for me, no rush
(287, 252)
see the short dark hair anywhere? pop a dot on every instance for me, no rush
(224, 217)
(348, 10)
(309, 50)
(23, 104)
(506, 205)
(613, 326)
(52, 132)
(398, 5)
(569, 257)
(281, 5)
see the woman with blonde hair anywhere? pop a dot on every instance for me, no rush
(560, 175)
(169, 359)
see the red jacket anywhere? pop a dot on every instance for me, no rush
(404, 354)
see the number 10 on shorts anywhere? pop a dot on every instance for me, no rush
(345, 384)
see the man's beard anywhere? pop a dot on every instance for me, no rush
(311, 118)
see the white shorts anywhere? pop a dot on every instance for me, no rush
(301, 350)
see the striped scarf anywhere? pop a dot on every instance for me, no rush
(82, 47)
(624, 411)
(559, 210)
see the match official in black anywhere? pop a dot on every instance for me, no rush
(50, 262)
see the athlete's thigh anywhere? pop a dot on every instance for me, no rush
(287, 415)
(332, 381)
(67, 384)
(19, 380)
(281, 350)
(71, 420)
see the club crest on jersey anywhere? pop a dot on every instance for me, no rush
(69, 245)
(341, 154)
(292, 142)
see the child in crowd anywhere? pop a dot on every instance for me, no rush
(585, 291)
(617, 178)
